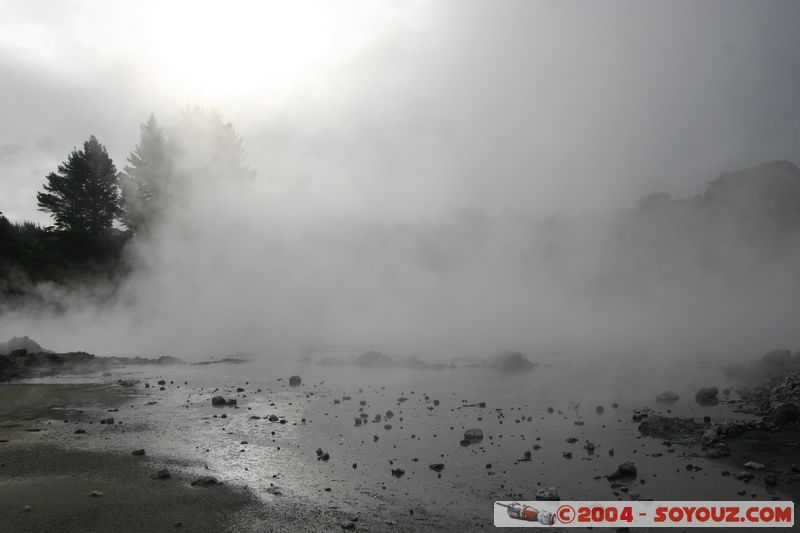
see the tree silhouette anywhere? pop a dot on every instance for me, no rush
(146, 180)
(207, 149)
(83, 196)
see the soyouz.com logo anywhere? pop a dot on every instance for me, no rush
(644, 514)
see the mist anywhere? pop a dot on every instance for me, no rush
(458, 179)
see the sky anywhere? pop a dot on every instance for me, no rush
(413, 109)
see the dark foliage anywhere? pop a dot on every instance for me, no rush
(83, 196)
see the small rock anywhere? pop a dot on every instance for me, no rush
(625, 471)
(473, 435)
(217, 400)
(205, 481)
(752, 465)
(549, 494)
(161, 474)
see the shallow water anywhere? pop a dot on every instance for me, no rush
(281, 457)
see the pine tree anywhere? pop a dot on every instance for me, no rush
(207, 149)
(83, 195)
(147, 178)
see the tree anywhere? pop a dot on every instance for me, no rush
(207, 149)
(83, 196)
(146, 180)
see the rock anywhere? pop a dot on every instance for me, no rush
(770, 479)
(398, 472)
(80, 431)
(295, 381)
(675, 429)
(162, 382)
(206, 481)
(239, 389)
(161, 474)
(95, 494)
(783, 414)
(437, 467)
(137, 452)
(231, 402)
(776, 359)
(511, 362)
(667, 397)
(21, 343)
(599, 409)
(273, 418)
(549, 494)
(625, 471)
(324, 456)
(348, 525)
(744, 476)
(567, 455)
(109, 420)
(707, 396)
(473, 435)
(217, 401)
(752, 465)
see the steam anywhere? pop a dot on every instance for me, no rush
(461, 185)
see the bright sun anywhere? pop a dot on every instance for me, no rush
(223, 49)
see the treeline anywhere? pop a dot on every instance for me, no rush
(97, 210)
